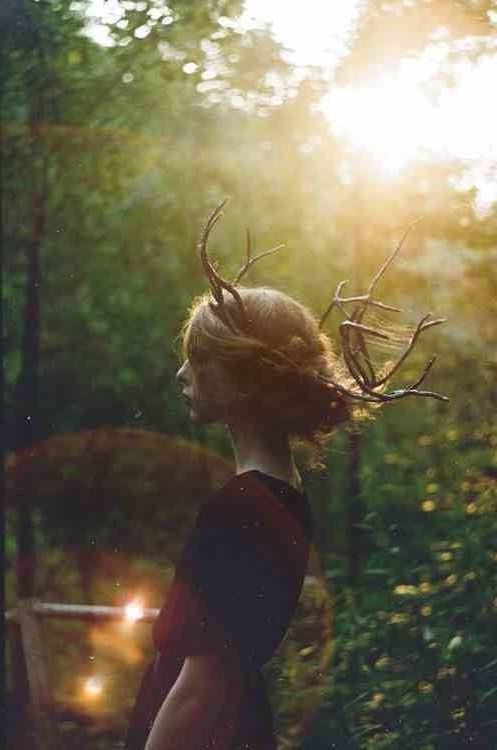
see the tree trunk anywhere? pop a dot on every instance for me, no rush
(355, 510)
(25, 407)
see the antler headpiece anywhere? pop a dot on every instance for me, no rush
(354, 347)
(368, 386)
(217, 283)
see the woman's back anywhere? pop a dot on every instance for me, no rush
(235, 591)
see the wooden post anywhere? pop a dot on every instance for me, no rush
(46, 733)
(17, 716)
(29, 670)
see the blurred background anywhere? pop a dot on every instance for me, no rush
(331, 126)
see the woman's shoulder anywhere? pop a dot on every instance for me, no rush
(255, 495)
(251, 486)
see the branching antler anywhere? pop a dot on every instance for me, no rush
(352, 331)
(250, 261)
(217, 283)
(354, 346)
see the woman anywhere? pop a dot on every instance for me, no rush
(256, 361)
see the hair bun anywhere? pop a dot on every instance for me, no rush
(297, 350)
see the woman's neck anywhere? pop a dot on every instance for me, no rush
(258, 448)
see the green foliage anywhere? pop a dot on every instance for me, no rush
(133, 151)
(297, 674)
(415, 657)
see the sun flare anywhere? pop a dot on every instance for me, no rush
(403, 115)
(317, 33)
(385, 121)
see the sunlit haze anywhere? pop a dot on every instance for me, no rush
(393, 120)
(317, 32)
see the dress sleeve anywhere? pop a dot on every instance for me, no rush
(237, 583)
(183, 626)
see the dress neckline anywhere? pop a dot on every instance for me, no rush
(272, 478)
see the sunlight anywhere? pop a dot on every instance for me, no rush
(394, 119)
(401, 116)
(101, 14)
(386, 121)
(315, 33)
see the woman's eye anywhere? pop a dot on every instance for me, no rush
(199, 357)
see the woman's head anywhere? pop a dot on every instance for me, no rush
(257, 355)
(270, 373)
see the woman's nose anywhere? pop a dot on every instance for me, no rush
(180, 375)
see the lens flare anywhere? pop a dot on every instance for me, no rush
(93, 688)
(133, 611)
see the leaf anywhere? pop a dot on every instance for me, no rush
(487, 695)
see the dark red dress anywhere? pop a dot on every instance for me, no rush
(235, 590)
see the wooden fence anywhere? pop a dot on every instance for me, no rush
(31, 685)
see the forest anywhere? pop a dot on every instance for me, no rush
(337, 129)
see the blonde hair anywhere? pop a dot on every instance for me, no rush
(278, 366)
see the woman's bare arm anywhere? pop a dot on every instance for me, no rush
(187, 717)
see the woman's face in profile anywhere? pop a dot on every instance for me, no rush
(206, 389)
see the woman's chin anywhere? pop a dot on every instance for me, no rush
(197, 417)
(200, 418)
(194, 416)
